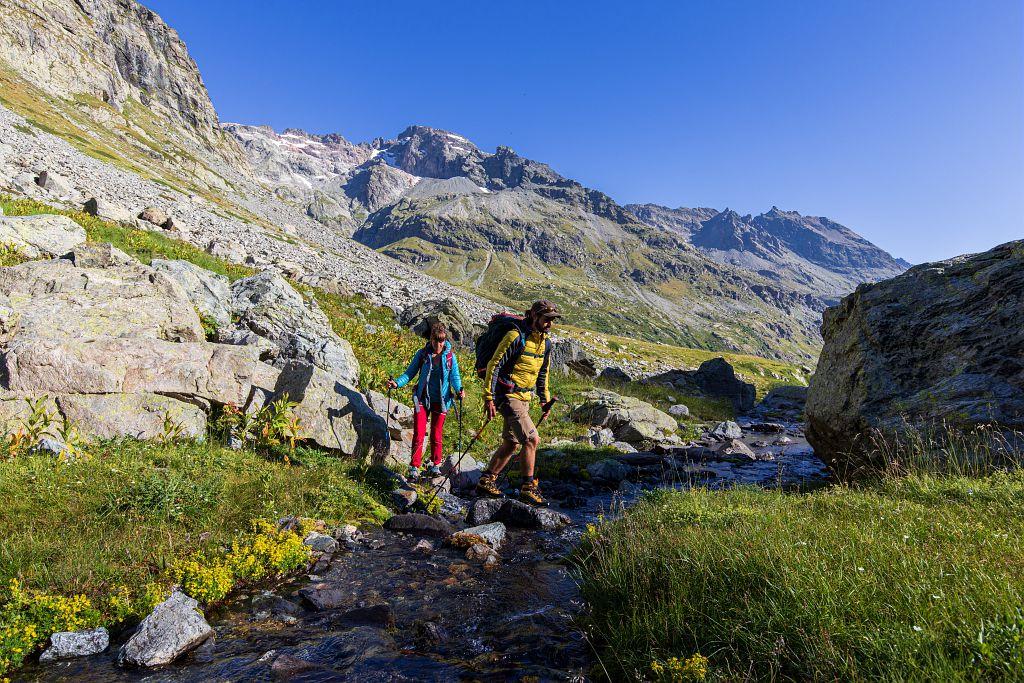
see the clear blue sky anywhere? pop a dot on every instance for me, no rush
(902, 120)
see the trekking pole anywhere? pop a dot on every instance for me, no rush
(546, 410)
(472, 442)
(387, 418)
(460, 423)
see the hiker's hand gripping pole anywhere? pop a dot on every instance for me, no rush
(546, 409)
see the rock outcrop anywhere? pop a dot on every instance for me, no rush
(630, 419)
(209, 293)
(420, 316)
(117, 348)
(38, 236)
(943, 342)
(266, 306)
(715, 378)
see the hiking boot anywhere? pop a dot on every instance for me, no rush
(433, 471)
(488, 486)
(414, 474)
(530, 493)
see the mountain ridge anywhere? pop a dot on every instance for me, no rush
(124, 90)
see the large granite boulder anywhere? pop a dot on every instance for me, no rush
(40, 236)
(331, 414)
(630, 419)
(944, 342)
(209, 292)
(714, 378)
(569, 356)
(119, 365)
(420, 316)
(108, 416)
(266, 306)
(56, 299)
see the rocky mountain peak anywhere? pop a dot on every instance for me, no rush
(116, 51)
(434, 153)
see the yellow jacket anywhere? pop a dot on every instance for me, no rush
(519, 362)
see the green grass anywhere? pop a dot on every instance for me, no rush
(142, 244)
(121, 515)
(913, 578)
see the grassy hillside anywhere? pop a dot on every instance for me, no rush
(598, 297)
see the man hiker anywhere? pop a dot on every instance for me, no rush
(517, 368)
(438, 385)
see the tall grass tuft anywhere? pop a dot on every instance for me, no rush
(915, 574)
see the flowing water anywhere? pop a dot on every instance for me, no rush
(402, 614)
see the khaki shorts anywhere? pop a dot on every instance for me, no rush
(518, 426)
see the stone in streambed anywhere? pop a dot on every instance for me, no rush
(419, 524)
(519, 514)
(492, 534)
(323, 596)
(68, 644)
(484, 510)
(172, 629)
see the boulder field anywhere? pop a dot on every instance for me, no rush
(119, 348)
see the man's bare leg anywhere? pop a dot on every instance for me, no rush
(529, 457)
(501, 457)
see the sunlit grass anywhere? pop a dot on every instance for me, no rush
(915, 576)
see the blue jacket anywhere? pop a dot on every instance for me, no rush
(451, 380)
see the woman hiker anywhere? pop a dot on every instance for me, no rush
(438, 385)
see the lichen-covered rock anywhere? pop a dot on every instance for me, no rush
(266, 305)
(400, 417)
(422, 314)
(173, 628)
(39, 236)
(209, 292)
(942, 342)
(56, 299)
(330, 413)
(632, 420)
(109, 416)
(120, 365)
